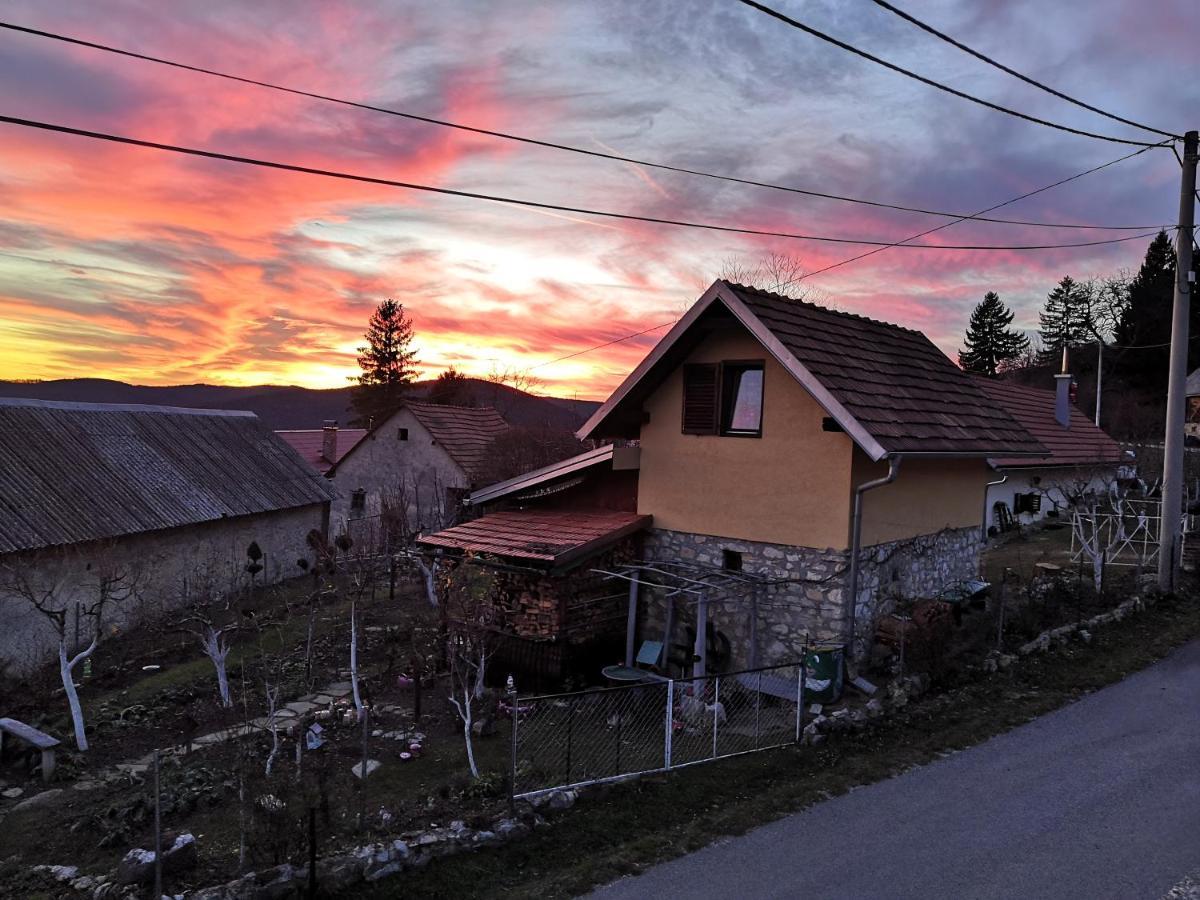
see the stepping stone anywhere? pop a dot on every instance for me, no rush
(319, 699)
(338, 689)
(300, 707)
(372, 765)
(13, 793)
(285, 713)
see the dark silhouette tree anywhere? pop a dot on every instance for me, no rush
(990, 343)
(1063, 320)
(452, 388)
(388, 365)
(1146, 318)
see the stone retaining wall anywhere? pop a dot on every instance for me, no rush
(809, 598)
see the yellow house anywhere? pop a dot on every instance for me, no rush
(832, 455)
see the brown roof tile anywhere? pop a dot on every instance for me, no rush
(540, 536)
(1081, 444)
(464, 432)
(310, 444)
(894, 382)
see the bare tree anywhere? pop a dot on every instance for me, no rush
(209, 614)
(470, 644)
(92, 583)
(506, 384)
(780, 273)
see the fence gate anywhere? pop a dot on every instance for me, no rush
(588, 737)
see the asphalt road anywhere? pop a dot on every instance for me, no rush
(1100, 799)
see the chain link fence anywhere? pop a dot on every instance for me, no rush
(587, 737)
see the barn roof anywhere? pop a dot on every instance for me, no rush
(887, 387)
(76, 472)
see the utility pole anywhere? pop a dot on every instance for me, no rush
(1099, 374)
(1172, 492)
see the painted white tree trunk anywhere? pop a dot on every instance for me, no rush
(272, 701)
(430, 573)
(217, 650)
(66, 667)
(358, 706)
(466, 713)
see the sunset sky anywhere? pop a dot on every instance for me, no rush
(138, 265)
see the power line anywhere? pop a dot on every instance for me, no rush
(807, 29)
(903, 242)
(861, 256)
(569, 148)
(531, 204)
(1003, 68)
(602, 346)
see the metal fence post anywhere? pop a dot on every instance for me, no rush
(570, 735)
(158, 867)
(716, 711)
(799, 699)
(757, 708)
(669, 723)
(515, 715)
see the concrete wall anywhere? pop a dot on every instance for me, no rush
(382, 463)
(791, 486)
(164, 559)
(810, 598)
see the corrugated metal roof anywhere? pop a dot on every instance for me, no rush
(546, 537)
(74, 472)
(1080, 445)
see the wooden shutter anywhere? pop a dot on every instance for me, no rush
(701, 383)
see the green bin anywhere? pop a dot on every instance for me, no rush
(823, 678)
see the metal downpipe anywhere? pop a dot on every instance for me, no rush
(987, 490)
(856, 542)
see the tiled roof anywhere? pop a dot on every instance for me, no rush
(895, 383)
(464, 432)
(1081, 444)
(549, 538)
(310, 444)
(889, 388)
(75, 472)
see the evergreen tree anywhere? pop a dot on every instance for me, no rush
(387, 362)
(1064, 319)
(1146, 319)
(989, 342)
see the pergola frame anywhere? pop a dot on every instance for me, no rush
(702, 585)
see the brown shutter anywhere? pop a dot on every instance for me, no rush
(700, 395)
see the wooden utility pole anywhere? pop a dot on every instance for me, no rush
(1172, 493)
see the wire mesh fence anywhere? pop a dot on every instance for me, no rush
(571, 740)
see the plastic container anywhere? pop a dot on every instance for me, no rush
(823, 680)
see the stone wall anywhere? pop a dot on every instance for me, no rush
(162, 559)
(807, 593)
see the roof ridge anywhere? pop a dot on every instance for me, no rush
(451, 406)
(84, 406)
(749, 288)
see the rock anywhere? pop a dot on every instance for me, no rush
(510, 829)
(840, 714)
(59, 873)
(385, 871)
(484, 727)
(338, 874)
(372, 765)
(12, 793)
(875, 708)
(38, 800)
(84, 883)
(137, 866)
(815, 709)
(1085, 636)
(561, 800)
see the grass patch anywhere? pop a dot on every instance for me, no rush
(627, 828)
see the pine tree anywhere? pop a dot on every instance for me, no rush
(1146, 319)
(989, 342)
(452, 388)
(387, 362)
(1064, 319)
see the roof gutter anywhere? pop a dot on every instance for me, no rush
(987, 489)
(856, 541)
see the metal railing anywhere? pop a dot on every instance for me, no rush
(606, 734)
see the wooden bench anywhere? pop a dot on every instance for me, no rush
(39, 740)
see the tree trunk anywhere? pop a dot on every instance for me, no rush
(358, 707)
(467, 735)
(430, 573)
(217, 651)
(66, 668)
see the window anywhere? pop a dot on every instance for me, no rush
(731, 560)
(723, 398)
(358, 500)
(402, 434)
(741, 399)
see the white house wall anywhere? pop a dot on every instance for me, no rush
(165, 560)
(381, 462)
(1044, 481)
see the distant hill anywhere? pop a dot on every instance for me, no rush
(286, 406)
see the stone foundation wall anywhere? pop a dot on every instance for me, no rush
(807, 599)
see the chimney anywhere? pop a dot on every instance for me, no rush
(329, 441)
(1062, 394)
